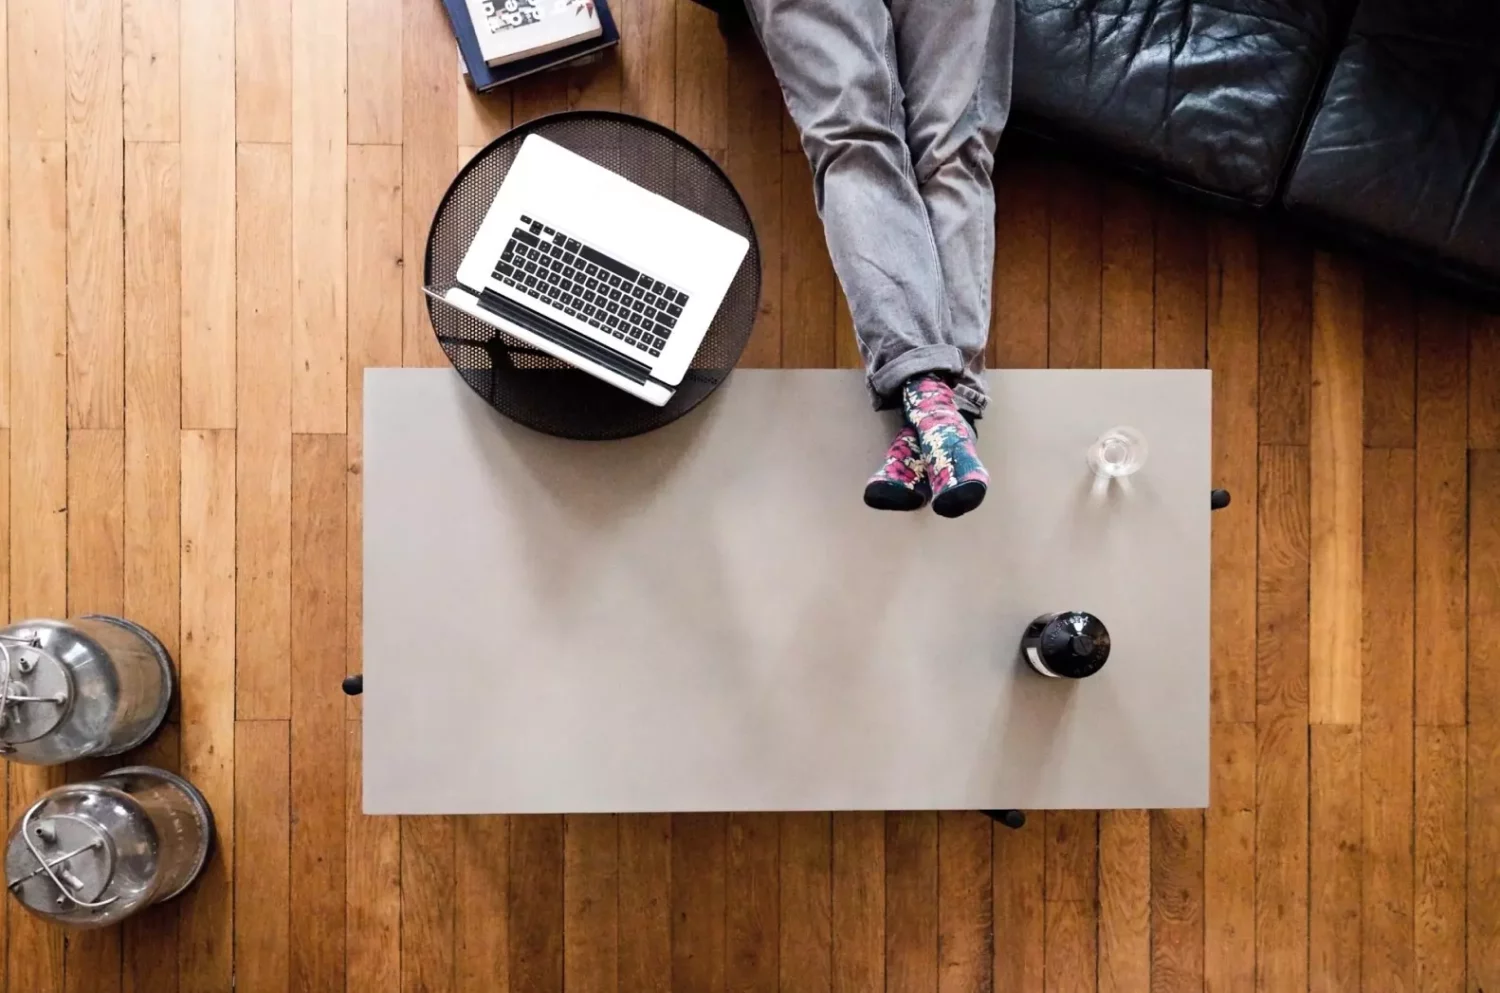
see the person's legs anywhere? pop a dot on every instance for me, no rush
(836, 63)
(953, 59)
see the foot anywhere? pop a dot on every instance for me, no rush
(901, 483)
(957, 477)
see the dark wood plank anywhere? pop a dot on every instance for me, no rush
(1181, 287)
(698, 902)
(805, 915)
(809, 289)
(1071, 943)
(1020, 914)
(1128, 292)
(1484, 720)
(646, 903)
(319, 502)
(1281, 776)
(1074, 259)
(858, 911)
(1233, 355)
(428, 885)
(1018, 305)
(755, 165)
(1229, 863)
(262, 816)
(1334, 859)
(648, 62)
(591, 900)
(752, 896)
(1176, 900)
(911, 902)
(1442, 524)
(1440, 859)
(479, 931)
(1390, 360)
(1484, 375)
(966, 923)
(372, 873)
(1285, 338)
(1386, 716)
(702, 81)
(1124, 900)
(536, 903)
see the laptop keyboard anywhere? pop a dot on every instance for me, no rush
(583, 282)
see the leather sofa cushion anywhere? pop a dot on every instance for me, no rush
(1210, 96)
(1405, 147)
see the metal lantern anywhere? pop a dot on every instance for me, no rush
(92, 686)
(91, 854)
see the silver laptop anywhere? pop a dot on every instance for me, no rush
(588, 267)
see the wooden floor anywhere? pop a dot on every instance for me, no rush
(215, 220)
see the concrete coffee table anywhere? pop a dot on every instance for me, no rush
(707, 618)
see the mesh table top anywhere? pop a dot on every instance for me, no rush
(530, 386)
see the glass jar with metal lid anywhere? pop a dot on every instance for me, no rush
(91, 854)
(92, 686)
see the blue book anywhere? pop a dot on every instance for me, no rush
(483, 77)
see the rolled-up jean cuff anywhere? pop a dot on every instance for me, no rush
(885, 382)
(970, 399)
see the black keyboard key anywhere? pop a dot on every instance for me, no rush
(674, 310)
(635, 318)
(658, 286)
(526, 220)
(591, 283)
(570, 259)
(614, 294)
(637, 306)
(656, 351)
(571, 312)
(536, 227)
(504, 269)
(605, 262)
(651, 313)
(548, 231)
(558, 238)
(682, 299)
(667, 322)
(617, 334)
(614, 280)
(527, 237)
(553, 278)
(573, 246)
(531, 267)
(613, 307)
(612, 321)
(593, 270)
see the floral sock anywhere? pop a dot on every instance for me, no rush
(957, 477)
(901, 483)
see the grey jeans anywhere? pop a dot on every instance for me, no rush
(900, 104)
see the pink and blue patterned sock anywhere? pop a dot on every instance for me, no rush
(900, 483)
(957, 477)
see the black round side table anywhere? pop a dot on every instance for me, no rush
(530, 386)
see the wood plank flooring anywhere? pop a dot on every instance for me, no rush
(214, 217)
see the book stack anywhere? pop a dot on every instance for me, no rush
(499, 41)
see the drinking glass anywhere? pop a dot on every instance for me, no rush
(1119, 452)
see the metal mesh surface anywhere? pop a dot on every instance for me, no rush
(534, 388)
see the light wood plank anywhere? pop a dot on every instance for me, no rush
(262, 830)
(1281, 776)
(1337, 391)
(1018, 305)
(482, 117)
(646, 903)
(591, 896)
(319, 216)
(911, 901)
(1285, 339)
(1020, 915)
(1177, 869)
(37, 79)
(263, 69)
(1390, 360)
(208, 213)
(755, 166)
(698, 872)
(151, 70)
(1181, 288)
(480, 925)
(429, 135)
(5, 222)
(1440, 859)
(1127, 292)
(648, 58)
(1442, 524)
(966, 924)
(1387, 717)
(805, 913)
(1233, 355)
(1073, 299)
(96, 229)
(1072, 947)
(206, 683)
(594, 84)
(808, 286)
(375, 78)
(857, 914)
(1334, 861)
(96, 522)
(429, 884)
(375, 265)
(752, 932)
(263, 511)
(536, 903)
(319, 476)
(1072, 890)
(701, 81)
(149, 939)
(372, 876)
(1124, 901)
(1229, 863)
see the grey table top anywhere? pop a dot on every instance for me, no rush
(707, 618)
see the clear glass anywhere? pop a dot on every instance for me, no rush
(1118, 453)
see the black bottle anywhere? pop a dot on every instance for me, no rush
(1069, 645)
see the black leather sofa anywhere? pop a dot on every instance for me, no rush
(1375, 121)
